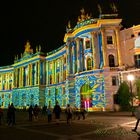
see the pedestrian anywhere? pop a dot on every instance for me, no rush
(12, 110)
(137, 115)
(57, 112)
(30, 111)
(36, 112)
(49, 114)
(44, 112)
(1, 115)
(69, 114)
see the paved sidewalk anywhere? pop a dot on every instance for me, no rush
(96, 126)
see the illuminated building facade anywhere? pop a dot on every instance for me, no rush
(84, 72)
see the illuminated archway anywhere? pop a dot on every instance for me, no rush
(86, 96)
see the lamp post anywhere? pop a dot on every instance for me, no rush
(130, 78)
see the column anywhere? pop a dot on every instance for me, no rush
(103, 47)
(31, 74)
(77, 54)
(53, 67)
(38, 73)
(93, 50)
(36, 77)
(61, 69)
(67, 66)
(22, 75)
(68, 58)
(20, 81)
(47, 72)
(118, 46)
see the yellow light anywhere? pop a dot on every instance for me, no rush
(130, 77)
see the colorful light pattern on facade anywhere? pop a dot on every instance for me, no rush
(79, 73)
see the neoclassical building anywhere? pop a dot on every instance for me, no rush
(86, 71)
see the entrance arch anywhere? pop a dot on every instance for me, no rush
(86, 96)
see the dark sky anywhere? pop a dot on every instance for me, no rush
(44, 22)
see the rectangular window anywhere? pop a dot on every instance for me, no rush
(114, 81)
(87, 44)
(109, 40)
(137, 60)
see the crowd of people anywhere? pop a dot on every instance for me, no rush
(71, 113)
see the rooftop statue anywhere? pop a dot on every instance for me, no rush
(28, 47)
(83, 16)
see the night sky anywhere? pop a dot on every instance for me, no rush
(44, 22)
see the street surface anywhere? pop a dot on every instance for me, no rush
(96, 126)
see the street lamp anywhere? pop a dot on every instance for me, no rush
(130, 78)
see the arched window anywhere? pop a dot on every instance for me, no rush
(89, 64)
(111, 60)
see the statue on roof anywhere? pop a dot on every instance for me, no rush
(28, 48)
(68, 27)
(83, 16)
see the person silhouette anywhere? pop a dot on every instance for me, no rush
(137, 114)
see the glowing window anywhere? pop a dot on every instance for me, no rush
(89, 64)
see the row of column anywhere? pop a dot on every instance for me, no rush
(77, 58)
(52, 71)
(6, 81)
(27, 75)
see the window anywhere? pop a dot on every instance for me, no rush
(114, 81)
(132, 35)
(137, 60)
(2, 95)
(64, 75)
(109, 40)
(89, 64)
(111, 60)
(56, 91)
(49, 105)
(9, 96)
(50, 79)
(87, 44)
(58, 78)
